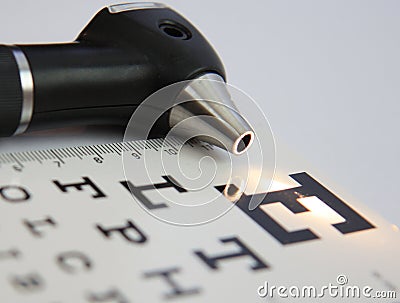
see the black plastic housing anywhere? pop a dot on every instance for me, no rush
(11, 96)
(117, 61)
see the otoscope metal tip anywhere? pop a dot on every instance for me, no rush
(205, 110)
(242, 144)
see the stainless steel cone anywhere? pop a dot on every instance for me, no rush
(205, 110)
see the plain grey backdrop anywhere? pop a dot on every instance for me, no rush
(326, 74)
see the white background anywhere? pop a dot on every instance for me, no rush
(326, 73)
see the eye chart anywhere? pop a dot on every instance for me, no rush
(76, 227)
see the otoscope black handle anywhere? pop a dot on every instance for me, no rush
(124, 54)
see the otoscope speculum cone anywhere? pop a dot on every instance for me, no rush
(205, 110)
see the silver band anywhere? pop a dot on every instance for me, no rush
(25, 75)
(119, 8)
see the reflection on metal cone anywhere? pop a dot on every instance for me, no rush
(211, 115)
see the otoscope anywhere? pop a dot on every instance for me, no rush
(125, 53)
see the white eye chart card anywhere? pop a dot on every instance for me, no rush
(76, 226)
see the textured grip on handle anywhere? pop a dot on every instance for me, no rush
(11, 95)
